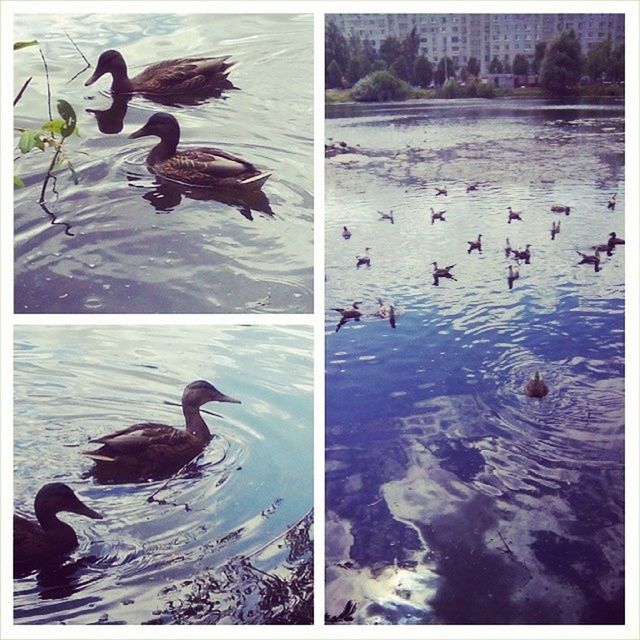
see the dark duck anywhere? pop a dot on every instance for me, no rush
(36, 544)
(168, 78)
(201, 166)
(151, 451)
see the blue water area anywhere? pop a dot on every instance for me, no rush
(114, 238)
(226, 540)
(453, 497)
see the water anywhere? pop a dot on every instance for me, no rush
(229, 539)
(452, 497)
(118, 242)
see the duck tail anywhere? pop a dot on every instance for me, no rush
(256, 182)
(94, 455)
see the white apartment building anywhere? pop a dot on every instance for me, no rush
(481, 35)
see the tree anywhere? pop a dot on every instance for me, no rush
(541, 49)
(400, 68)
(334, 76)
(473, 66)
(616, 71)
(598, 61)
(410, 47)
(444, 70)
(390, 49)
(495, 66)
(380, 86)
(520, 65)
(422, 72)
(354, 70)
(506, 66)
(562, 65)
(335, 47)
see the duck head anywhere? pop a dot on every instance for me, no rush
(200, 392)
(112, 62)
(55, 497)
(163, 125)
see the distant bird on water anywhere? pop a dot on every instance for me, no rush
(611, 205)
(536, 387)
(475, 244)
(346, 234)
(441, 191)
(555, 229)
(438, 215)
(364, 260)
(513, 275)
(473, 186)
(513, 215)
(560, 208)
(348, 313)
(387, 216)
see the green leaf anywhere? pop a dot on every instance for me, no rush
(69, 116)
(38, 141)
(22, 45)
(27, 141)
(54, 125)
(18, 182)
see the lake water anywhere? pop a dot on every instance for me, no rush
(229, 540)
(118, 242)
(453, 498)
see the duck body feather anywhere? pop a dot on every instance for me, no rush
(32, 546)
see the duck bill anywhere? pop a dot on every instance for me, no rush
(83, 510)
(97, 74)
(140, 133)
(225, 398)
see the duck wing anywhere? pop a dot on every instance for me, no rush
(201, 166)
(185, 74)
(139, 437)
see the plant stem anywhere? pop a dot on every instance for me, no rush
(46, 73)
(24, 87)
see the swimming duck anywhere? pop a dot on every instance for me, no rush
(525, 255)
(442, 272)
(39, 544)
(590, 259)
(170, 77)
(613, 239)
(560, 208)
(513, 215)
(555, 229)
(364, 260)
(611, 205)
(386, 311)
(348, 313)
(473, 186)
(513, 274)
(346, 234)
(437, 215)
(536, 387)
(154, 451)
(200, 167)
(609, 247)
(475, 244)
(507, 247)
(441, 191)
(387, 216)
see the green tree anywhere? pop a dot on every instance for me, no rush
(422, 72)
(495, 66)
(410, 46)
(381, 86)
(400, 68)
(335, 47)
(334, 76)
(562, 65)
(520, 65)
(598, 60)
(354, 71)
(390, 49)
(616, 70)
(445, 69)
(473, 66)
(541, 49)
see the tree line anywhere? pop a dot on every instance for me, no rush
(560, 65)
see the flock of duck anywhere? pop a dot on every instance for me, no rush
(141, 452)
(181, 81)
(535, 387)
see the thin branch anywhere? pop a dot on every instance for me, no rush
(24, 86)
(77, 48)
(46, 72)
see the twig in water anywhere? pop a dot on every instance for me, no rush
(24, 86)
(46, 73)
(77, 49)
(506, 546)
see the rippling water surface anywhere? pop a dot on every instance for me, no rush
(229, 539)
(118, 241)
(452, 497)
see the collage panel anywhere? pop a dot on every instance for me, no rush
(158, 168)
(475, 319)
(203, 515)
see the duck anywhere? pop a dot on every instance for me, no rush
(437, 215)
(475, 244)
(611, 205)
(513, 215)
(525, 255)
(442, 272)
(348, 313)
(346, 234)
(536, 387)
(386, 311)
(36, 544)
(507, 248)
(152, 451)
(555, 229)
(613, 239)
(170, 77)
(386, 216)
(198, 167)
(441, 191)
(560, 208)
(608, 248)
(473, 186)
(364, 260)
(590, 259)
(513, 274)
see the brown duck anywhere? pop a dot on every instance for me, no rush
(200, 167)
(154, 451)
(536, 387)
(170, 77)
(39, 543)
